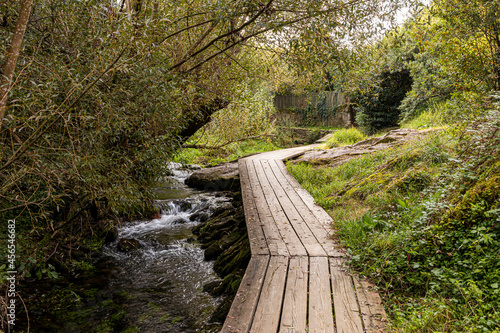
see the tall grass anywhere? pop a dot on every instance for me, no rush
(376, 202)
(434, 116)
(344, 137)
(459, 108)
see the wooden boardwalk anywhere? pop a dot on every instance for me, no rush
(294, 281)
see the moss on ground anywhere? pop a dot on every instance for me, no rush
(423, 221)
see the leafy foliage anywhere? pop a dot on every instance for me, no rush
(248, 115)
(96, 109)
(378, 108)
(474, 26)
(422, 220)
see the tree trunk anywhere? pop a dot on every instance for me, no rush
(197, 119)
(11, 61)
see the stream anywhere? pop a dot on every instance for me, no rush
(156, 288)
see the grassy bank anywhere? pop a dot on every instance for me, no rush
(421, 221)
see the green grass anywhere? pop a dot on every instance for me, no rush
(344, 137)
(376, 201)
(230, 152)
(358, 183)
(461, 107)
(420, 220)
(434, 116)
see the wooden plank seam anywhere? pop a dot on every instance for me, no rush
(294, 285)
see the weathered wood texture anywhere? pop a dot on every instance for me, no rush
(372, 311)
(295, 281)
(347, 312)
(268, 312)
(320, 296)
(331, 99)
(240, 316)
(258, 243)
(294, 317)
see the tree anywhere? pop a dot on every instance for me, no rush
(14, 50)
(98, 108)
(379, 107)
(477, 23)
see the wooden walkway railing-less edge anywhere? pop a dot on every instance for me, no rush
(294, 281)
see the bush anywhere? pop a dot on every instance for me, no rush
(345, 137)
(452, 111)
(377, 108)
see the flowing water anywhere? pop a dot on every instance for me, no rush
(156, 288)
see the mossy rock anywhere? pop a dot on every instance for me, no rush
(219, 178)
(368, 185)
(220, 221)
(405, 161)
(412, 180)
(220, 313)
(228, 285)
(234, 258)
(387, 139)
(472, 207)
(128, 245)
(225, 239)
(218, 247)
(214, 288)
(319, 161)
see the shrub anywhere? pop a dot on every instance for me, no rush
(345, 137)
(378, 106)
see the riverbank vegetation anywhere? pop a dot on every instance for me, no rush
(93, 112)
(421, 219)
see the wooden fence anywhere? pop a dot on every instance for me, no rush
(327, 108)
(333, 100)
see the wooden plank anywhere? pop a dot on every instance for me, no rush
(301, 228)
(267, 314)
(347, 312)
(320, 297)
(307, 198)
(284, 153)
(294, 313)
(240, 316)
(292, 241)
(274, 240)
(372, 310)
(321, 231)
(289, 153)
(258, 244)
(297, 151)
(320, 213)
